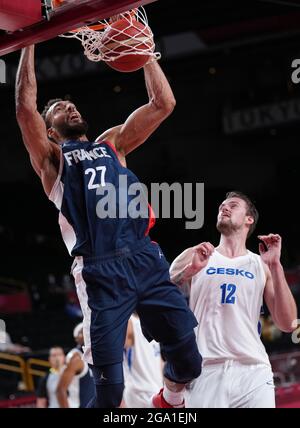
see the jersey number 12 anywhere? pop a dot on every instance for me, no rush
(228, 291)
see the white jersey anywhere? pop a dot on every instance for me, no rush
(142, 369)
(80, 385)
(226, 298)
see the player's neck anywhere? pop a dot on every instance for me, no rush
(78, 138)
(232, 246)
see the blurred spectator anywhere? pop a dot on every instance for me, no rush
(8, 346)
(46, 393)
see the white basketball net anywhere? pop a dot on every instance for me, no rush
(141, 43)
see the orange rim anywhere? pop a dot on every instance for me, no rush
(95, 27)
(57, 3)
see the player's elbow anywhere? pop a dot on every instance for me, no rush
(165, 106)
(168, 106)
(286, 326)
(286, 329)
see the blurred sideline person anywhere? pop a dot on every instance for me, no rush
(227, 287)
(76, 385)
(46, 393)
(6, 345)
(143, 367)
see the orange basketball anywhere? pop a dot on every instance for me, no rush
(135, 37)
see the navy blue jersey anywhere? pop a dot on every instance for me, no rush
(93, 184)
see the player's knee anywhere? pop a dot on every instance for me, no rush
(108, 396)
(109, 383)
(184, 361)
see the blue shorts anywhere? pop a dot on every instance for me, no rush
(112, 287)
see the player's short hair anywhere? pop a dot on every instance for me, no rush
(56, 347)
(251, 208)
(46, 109)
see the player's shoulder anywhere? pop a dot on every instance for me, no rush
(73, 354)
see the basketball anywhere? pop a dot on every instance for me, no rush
(124, 44)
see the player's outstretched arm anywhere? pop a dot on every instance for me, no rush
(277, 294)
(146, 119)
(189, 263)
(44, 155)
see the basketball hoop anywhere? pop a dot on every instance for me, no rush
(121, 36)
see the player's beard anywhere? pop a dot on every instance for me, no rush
(72, 131)
(226, 227)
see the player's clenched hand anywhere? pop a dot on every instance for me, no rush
(202, 253)
(270, 249)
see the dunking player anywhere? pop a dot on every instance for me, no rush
(118, 269)
(227, 287)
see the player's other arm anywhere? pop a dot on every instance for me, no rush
(277, 294)
(44, 155)
(189, 263)
(74, 367)
(146, 119)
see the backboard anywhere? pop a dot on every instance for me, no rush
(41, 22)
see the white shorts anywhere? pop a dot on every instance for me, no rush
(232, 385)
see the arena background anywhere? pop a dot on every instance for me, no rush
(235, 127)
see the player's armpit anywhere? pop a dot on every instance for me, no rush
(111, 136)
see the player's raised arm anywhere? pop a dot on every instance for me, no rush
(189, 263)
(146, 119)
(44, 155)
(277, 295)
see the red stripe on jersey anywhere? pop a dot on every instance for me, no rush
(152, 220)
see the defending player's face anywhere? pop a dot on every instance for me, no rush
(56, 358)
(232, 215)
(66, 120)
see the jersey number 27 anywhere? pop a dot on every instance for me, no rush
(93, 177)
